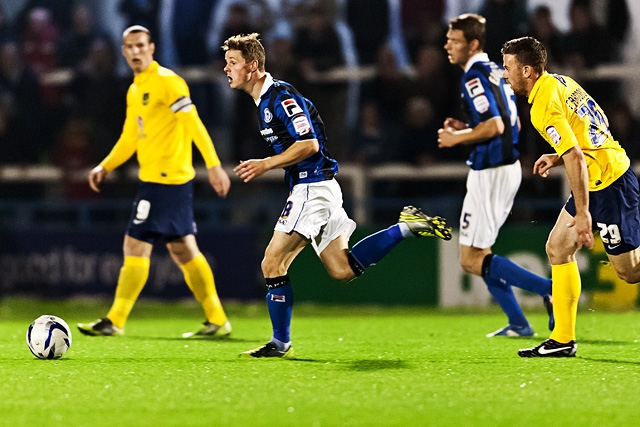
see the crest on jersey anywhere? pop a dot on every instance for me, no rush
(554, 134)
(267, 115)
(291, 107)
(145, 98)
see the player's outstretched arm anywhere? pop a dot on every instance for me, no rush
(96, 175)
(219, 180)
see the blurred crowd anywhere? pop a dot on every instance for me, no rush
(376, 70)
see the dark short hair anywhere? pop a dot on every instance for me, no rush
(250, 47)
(528, 51)
(472, 26)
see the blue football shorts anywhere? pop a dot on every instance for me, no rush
(162, 213)
(614, 211)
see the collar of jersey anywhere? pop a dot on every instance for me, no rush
(268, 81)
(144, 75)
(537, 85)
(478, 57)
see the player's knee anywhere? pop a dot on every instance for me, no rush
(271, 267)
(343, 274)
(467, 266)
(554, 253)
(472, 264)
(631, 277)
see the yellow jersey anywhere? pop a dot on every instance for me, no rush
(566, 116)
(160, 125)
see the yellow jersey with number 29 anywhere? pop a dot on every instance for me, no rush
(566, 116)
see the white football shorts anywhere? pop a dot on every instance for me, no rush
(488, 203)
(315, 211)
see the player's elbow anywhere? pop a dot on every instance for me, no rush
(314, 146)
(498, 126)
(310, 147)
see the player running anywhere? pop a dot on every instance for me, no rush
(604, 188)
(313, 213)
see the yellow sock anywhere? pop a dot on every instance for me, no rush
(133, 276)
(566, 292)
(199, 277)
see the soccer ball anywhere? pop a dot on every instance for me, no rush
(49, 337)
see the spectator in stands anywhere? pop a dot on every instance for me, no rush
(418, 140)
(38, 43)
(614, 16)
(75, 43)
(60, 12)
(6, 27)
(190, 23)
(507, 19)
(95, 94)
(625, 126)
(317, 50)
(588, 45)
(22, 109)
(542, 27)
(369, 22)
(389, 89)
(422, 22)
(434, 80)
(371, 142)
(72, 154)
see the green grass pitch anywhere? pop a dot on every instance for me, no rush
(354, 366)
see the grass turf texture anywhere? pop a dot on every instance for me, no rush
(355, 366)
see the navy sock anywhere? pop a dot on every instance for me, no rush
(373, 248)
(506, 270)
(280, 305)
(503, 294)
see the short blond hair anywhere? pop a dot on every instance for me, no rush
(249, 46)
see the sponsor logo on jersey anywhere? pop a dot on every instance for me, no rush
(145, 98)
(301, 125)
(291, 107)
(267, 115)
(553, 134)
(474, 87)
(481, 103)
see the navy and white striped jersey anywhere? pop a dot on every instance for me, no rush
(486, 95)
(285, 117)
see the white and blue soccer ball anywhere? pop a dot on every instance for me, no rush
(49, 337)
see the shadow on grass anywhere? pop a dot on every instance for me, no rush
(187, 340)
(614, 361)
(605, 342)
(362, 365)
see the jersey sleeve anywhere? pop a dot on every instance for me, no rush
(479, 95)
(179, 100)
(126, 144)
(551, 122)
(293, 112)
